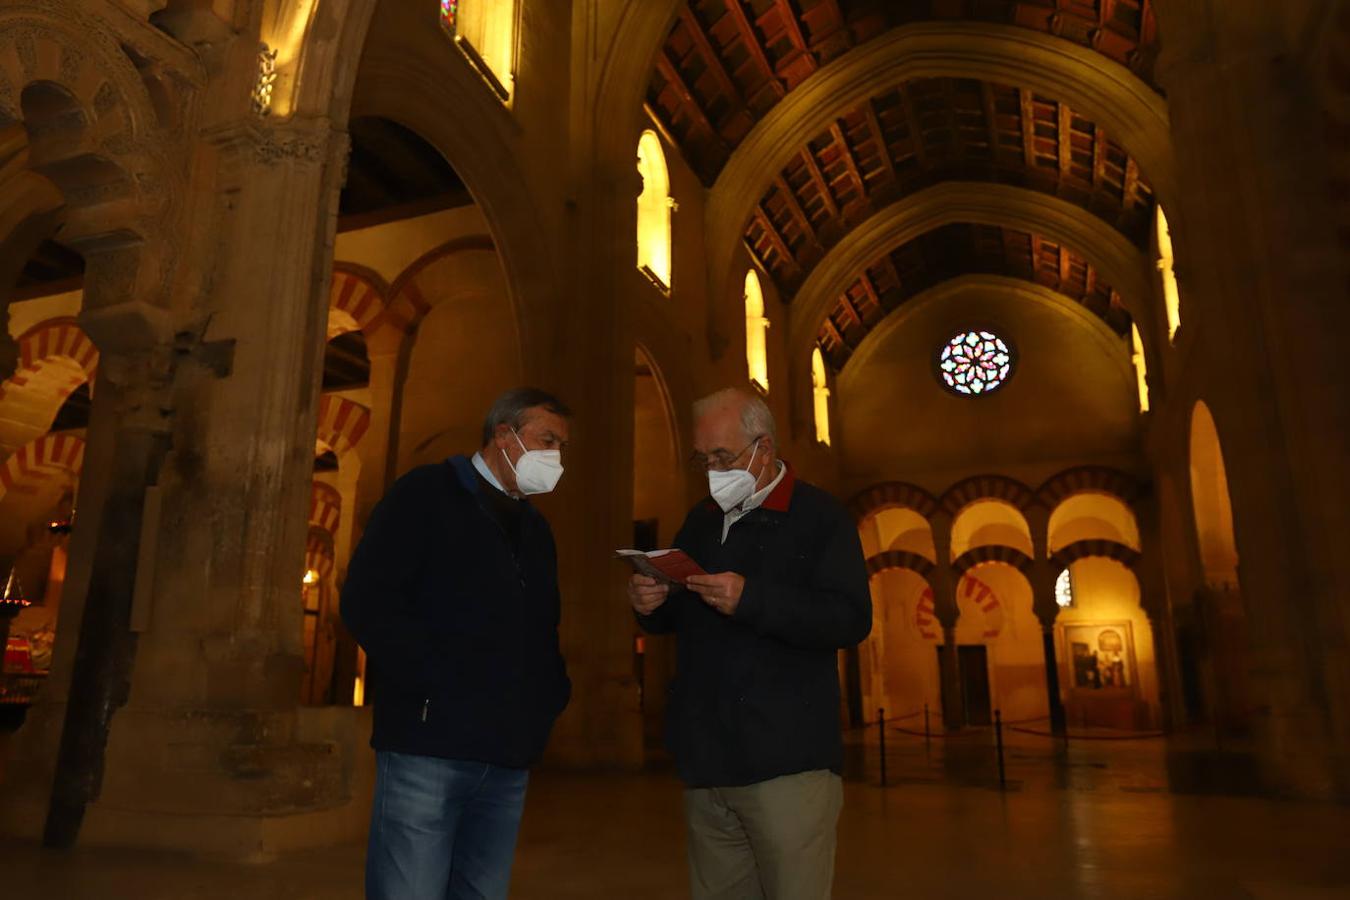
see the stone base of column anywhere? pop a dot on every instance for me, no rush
(239, 784)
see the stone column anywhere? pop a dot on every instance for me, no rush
(211, 751)
(1154, 600)
(1263, 280)
(590, 363)
(1042, 576)
(944, 582)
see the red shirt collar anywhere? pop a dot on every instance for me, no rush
(780, 498)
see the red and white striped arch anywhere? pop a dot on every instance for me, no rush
(55, 358)
(972, 592)
(56, 455)
(61, 337)
(325, 507)
(319, 553)
(355, 302)
(342, 424)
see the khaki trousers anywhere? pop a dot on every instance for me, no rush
(768, 841)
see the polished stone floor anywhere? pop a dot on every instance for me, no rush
(1099, 819)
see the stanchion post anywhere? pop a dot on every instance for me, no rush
(927, 733)
(998, 742)
(881, 727)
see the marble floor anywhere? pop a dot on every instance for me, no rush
(1100, 819)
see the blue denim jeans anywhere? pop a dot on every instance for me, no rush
(442, 829)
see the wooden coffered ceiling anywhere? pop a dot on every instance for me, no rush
(727, 62)
(952, 251)
(934, 130)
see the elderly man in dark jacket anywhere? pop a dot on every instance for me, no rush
(754, 713)
(453, 593)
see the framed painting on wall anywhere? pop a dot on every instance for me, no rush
(1099, 659)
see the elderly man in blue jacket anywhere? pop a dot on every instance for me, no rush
(753, 720)
(453, 594)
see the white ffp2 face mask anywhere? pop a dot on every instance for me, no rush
(537, 471)
(732, 488)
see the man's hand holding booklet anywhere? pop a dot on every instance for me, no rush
(669, 566)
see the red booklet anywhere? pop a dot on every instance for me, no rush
(670, 566)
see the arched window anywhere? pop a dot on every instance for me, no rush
(1140, 367)
(821, 392)
(756, 326)
(486, 31)
(653, 211)
(1167, 270)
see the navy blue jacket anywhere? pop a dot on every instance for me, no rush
(756, 694)
(460, 623)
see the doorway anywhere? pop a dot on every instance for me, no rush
(973, 660)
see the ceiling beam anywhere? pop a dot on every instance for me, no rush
(991, 119)
(849, 160)
(712, 57)
(914, 125)
(821, 183)
(671, 73)
(793, 27)
(1028, 105)
(883, 148)
(751, 41)
(794, 207)
(775, 237)
(1065, 129)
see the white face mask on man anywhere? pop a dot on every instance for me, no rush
(537, 471)
(733, 487)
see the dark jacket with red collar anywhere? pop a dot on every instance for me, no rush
(756, 694)
(459, 620)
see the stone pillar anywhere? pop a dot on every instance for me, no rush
(944, 581)
(1042, 576)
(590, 363)
(133, 388)
(211, 751)
(1154, 600)
(1263, 281)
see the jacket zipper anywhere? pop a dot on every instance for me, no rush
(506, 538)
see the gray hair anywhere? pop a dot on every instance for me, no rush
(756, 418)
(509, 409)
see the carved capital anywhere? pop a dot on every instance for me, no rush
(307, 142)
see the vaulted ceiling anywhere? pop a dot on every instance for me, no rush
(952, 251)
(932, 130)
(728, 62)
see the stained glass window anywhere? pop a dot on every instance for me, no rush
(449, 15)
(975, 362)
(1064, 589)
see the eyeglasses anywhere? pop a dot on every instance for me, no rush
(720, 460)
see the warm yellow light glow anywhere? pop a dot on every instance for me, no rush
(489, 28)
(1212, 504)
(359, 688)
(1140, 367)
(756, 326)
(284, 26)
(311, 576)
(653, 211)
(1167, 269)
(821, 392)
